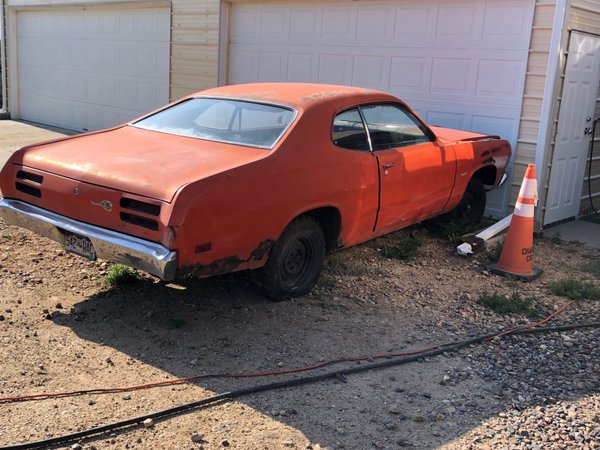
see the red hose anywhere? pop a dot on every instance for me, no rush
(264, 373)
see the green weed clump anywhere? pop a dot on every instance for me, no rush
(592, 266)
(118, 275)
(515, 304)
(575, 289)
(493, 253)
(405, 249)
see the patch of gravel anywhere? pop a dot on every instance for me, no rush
(61, 328)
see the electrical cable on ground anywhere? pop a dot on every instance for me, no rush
(307, 368)
(339, 374)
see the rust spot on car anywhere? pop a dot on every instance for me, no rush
(262, 250)
(225, 265)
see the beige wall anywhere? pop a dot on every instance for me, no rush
(194, 46)
(535, 81)
(585, 16)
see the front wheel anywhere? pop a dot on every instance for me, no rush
(296, 260)
(472, 205)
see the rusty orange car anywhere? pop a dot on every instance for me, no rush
(256, 176)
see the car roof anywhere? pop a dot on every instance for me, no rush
(301, 95)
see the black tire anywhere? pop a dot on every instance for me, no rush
(472, 205)
(295, 261)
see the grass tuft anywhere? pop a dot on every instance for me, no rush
(556, 239)
(515, 304)
(592, 266)
(176, 322)
(592, 217)
(119, 275)
(405, 249)
(493, 253)
(575, 289)
(453, 232)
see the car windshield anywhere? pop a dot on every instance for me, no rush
(222, 120)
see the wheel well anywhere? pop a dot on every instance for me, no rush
(486, 174)
(330, 220)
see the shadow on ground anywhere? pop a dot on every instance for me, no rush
(224, 325)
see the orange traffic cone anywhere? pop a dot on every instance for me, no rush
(516, 259)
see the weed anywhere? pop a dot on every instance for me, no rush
(176, 322)
(405, 249)
(327, 281)
(592, 217)
(592, 266)
(515, 304)
(118, 274)
(493, 253)
(347, 265)
(556, 239)
(575, 289)
(453, 232)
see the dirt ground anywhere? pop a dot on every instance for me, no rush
(62, 329)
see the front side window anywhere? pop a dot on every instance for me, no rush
(349, 131)
(391, 127)
(223, 120)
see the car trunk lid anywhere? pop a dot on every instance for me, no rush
(132, 160)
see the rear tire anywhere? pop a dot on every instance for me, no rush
(472, 205)
(295, 261)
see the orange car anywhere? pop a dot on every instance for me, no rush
(252, 176)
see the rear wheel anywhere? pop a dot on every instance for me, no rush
(472, 205)
(296, 260)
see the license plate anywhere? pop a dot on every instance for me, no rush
(80, 245)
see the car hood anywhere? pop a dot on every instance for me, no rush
(447, 135)
(142, 162)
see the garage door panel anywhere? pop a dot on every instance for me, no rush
(413, 24)
(460, 22)
(243, 65)
(507, 23)
(338, 24)
(375, 23)
(83, 69)
(410, 74)
(335, 69)
(451, 76)
(303, 66)
(370, 71)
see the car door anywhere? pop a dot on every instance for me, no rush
(416, 172)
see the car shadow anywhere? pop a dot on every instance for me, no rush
(225, 325)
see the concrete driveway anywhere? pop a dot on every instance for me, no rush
(15, 134)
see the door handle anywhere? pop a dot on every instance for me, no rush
(587, 130)
(387, 166)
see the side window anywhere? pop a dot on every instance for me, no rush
(392, 127)
(349, 131)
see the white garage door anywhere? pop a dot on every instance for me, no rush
(92, 69)
(459, 64)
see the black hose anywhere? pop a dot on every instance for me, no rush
(338, 374)
(590, 166)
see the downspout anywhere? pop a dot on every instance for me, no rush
(549, 99)
(3, 78)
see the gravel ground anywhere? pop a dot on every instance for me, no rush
(62, 328)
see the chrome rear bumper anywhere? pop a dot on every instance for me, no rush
(110, 245)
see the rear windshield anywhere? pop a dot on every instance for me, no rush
(223, 120)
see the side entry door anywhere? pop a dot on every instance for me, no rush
(416, 172)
